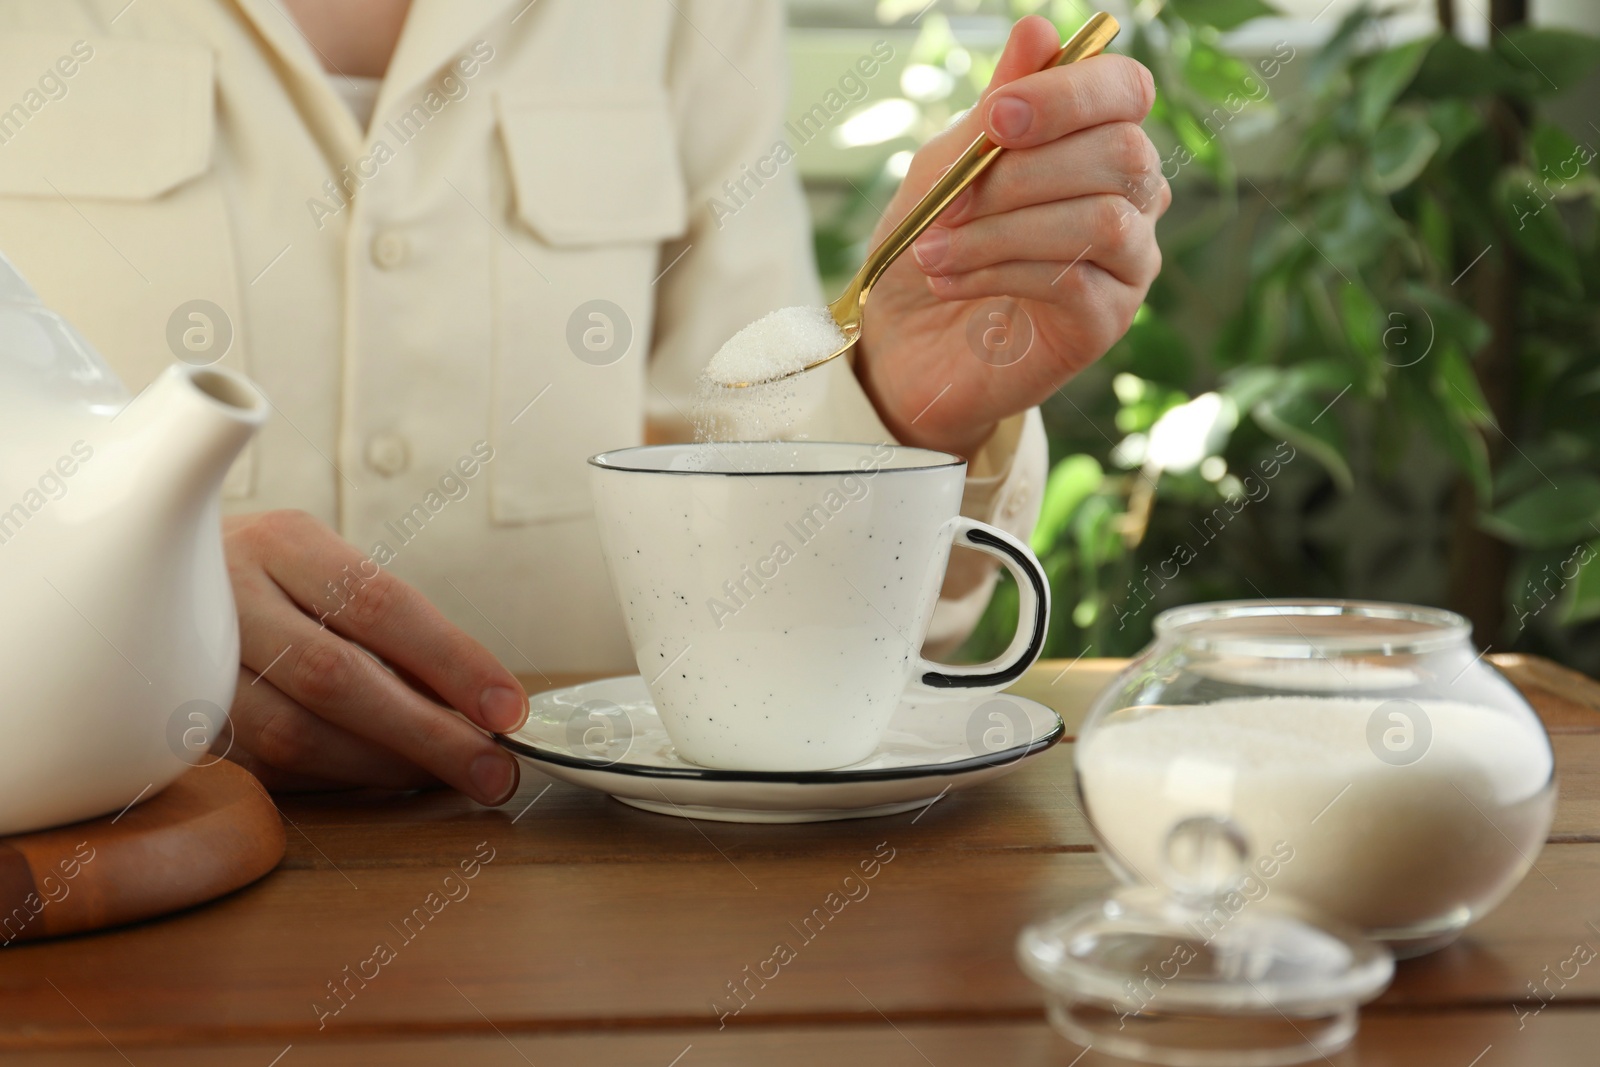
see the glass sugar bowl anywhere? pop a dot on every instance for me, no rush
(1292, 791)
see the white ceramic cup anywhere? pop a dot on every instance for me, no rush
(777, 593)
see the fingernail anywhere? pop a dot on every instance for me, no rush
(931, 247)
(952, 213)
(1010, 117)
(494, 778)
(503, 709)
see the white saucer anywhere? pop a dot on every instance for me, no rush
(607, 736)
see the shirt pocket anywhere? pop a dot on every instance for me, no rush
(107, 202)
(594, 188)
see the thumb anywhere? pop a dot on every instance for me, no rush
(1032, 44)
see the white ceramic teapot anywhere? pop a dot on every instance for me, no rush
(118, 633)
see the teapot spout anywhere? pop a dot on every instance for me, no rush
(182, 433)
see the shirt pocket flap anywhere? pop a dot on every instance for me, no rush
(596, 168)
(102, 117)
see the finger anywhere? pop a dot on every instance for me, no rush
(1105, 230)
(360, 600)
(1044, 282)
(1032, 43)
(1103, 306)
(1113, 158)
(276, 781)
(290, 739)
(416, 683)
(1045, 103)
(1039, 108)
(341, 683)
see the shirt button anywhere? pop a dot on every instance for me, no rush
(390, 249)
(387, 454)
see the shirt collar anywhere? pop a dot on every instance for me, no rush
(435, 32)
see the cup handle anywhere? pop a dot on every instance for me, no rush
(1033, 617)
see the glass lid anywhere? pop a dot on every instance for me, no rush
(1214, 968)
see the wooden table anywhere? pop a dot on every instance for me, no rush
(593, 933)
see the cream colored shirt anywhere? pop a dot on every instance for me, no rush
(413, 291)
(359, 94)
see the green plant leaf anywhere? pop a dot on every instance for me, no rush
(1331, 59)
(1450, 321)
(1249, 386)
(1328, 376)
(1454, 120)
(1584, 604)
(1157, 351)
(1384, 77)
(1433, 226)
(1071, 482)
(1538, 230)
(1193, 135)
(1457, 386)
(1453, 70)
(1419, 404)
(1557, 60)
(1351, 227)
(1322, 318)
(1401, 150)
(1254, 333)
(1468, 186)
(1094, 528)
(1527, 468)
(1222, 14)
(1237, 339)
(1363, 320)
(1300, 412)
(1550, 146)
(1407, 338)
(1549, 515)
(1218, 76)
(1559, 163)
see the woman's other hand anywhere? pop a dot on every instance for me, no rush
(315, 710)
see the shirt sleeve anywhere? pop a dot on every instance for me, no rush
(748, 251)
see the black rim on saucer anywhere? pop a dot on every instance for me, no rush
(837, 776)
(608, 461)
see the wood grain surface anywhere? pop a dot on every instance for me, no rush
(1411, 1039)
(565, 928)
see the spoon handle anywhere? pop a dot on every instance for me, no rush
(1088, 41)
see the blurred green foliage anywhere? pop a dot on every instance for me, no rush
(1420, 186)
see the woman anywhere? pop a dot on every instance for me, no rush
(464, 244)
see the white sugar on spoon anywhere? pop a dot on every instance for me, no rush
(778, 344)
